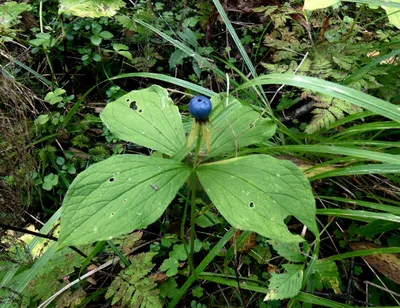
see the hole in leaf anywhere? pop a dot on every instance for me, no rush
(140, 110)
(252, 205)
(112, 214)
(133, 106)
(111, 180)
(127, 100)
(251, 125)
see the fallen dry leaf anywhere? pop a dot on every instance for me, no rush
(386, 264)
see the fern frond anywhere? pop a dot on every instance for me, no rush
(134, 287)
(329, 110)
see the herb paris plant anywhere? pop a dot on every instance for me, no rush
(254, 192)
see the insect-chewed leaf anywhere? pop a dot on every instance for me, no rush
(146, 117)
(235, 126)
(257, 192)
(117, 196)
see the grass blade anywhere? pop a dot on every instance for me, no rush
(357, 170)
(372, 205)
(355, 97)
(359, 215)
(365, 252)
(326, 149)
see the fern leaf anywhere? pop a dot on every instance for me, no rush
(329, 110)
(134, 287)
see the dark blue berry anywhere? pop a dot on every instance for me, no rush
(200, 107)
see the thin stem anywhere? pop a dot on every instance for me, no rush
(354, 24)
(183, 238)
(193, 184)
(53, 75)
(192, 218)
(202, 266)
(197, 149)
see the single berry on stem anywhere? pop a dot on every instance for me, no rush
(200, 108)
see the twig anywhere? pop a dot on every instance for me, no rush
(294, 73)
(107, 264)
(51, 298)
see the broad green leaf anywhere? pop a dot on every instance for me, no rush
(234, 126)
(318, 4)
(257, 192)
(285, 285)
(393, 14)
(146, 117)
(90, 8)
(118, 195)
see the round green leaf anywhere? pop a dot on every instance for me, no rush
(146, 117)
(257, 192)
(118, 195)
(95, 39)
(106, 35)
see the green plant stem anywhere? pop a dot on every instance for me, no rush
(119, 253)
(202, 266)
(346, 38)
(183, 237)
(53, 75)
(193, 184)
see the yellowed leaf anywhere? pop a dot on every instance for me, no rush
(312, 5)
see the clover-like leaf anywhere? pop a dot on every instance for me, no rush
(257, 192)
(117, 196)
(55, 97)
(146, 117)
(171, 266)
